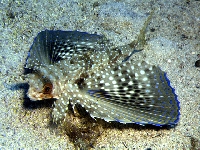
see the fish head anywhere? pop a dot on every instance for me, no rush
(40, 88)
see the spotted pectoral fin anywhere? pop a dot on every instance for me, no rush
(133, 93)
(51, 46)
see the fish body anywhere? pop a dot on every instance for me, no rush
(77, 67)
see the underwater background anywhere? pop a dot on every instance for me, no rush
(173, 43)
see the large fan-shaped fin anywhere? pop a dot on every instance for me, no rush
(138, 93)
(52, 46)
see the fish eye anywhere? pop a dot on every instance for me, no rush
(47, 88)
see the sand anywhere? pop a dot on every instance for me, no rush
(172, 43)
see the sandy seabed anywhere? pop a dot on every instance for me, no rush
(173, 37)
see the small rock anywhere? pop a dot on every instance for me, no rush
(197, 63)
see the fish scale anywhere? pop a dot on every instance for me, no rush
(77, 67)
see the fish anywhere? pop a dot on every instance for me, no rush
(76, 67)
